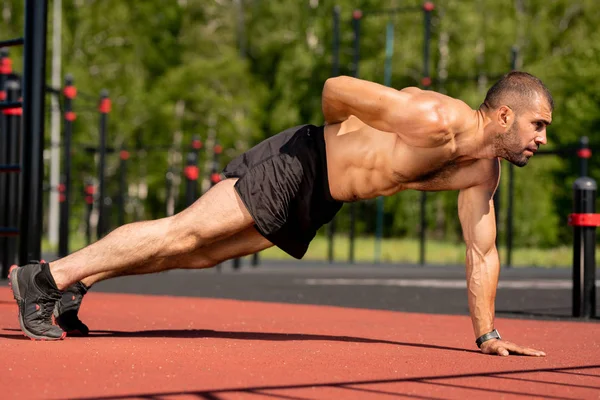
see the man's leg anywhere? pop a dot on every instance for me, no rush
(243, 243)
(240, 244)
(156, 245)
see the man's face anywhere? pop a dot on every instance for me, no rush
(527, 132)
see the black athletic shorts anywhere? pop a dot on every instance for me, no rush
(283, 183)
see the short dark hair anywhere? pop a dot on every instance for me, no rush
(515, 89)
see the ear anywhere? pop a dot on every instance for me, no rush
(505, 116)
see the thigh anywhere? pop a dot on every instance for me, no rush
(248, 241)
(219, 213)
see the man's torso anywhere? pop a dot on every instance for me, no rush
(364, 162)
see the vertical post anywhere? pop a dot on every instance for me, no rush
(32, 168)
(89, 192)
(511, 187)
(169, 187)
(335, 71)
(69, 92)
(123, 192)
(5, 70)
(356, 18)
(215, 177)
(104, 108)
(13, 132)
(55, 120)
(426, 82)
(585, 222)
(192, 173)
(387, 81)
(584, 153)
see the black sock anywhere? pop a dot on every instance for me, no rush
(44, 279)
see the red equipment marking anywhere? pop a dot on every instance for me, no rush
(5, 66)
(70, 92)
(428, 6)
(584, 219)
(13, 111)
(70, 116)
(105, 106)
(584, 153)
(215, 177)
(192, 172)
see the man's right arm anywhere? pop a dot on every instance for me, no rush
(379, 106)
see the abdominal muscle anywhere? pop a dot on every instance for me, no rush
(364, 163)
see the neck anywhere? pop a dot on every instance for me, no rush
(478, 143)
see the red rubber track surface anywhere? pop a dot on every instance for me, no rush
(158, 347)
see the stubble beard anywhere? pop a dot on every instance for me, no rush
(510, 140)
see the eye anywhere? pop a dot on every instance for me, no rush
(539, 125)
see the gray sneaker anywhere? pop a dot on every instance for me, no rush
(36, 297)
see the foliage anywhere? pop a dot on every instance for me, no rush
(237, 71)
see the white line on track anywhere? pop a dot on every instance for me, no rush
(548, 284)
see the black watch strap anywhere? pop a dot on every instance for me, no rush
(488, 336)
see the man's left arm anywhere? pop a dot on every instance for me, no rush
(476, 213)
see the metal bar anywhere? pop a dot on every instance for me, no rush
(387, 81)
(124, 156)
(34, 62)
(426, 84)
(3, 180)
(100, 231)
(356, 17)
(11, 42)
(89, 191)
(335, 71)
(583, 160)
(10, 104)
(511, 186)
(65, 200)
(5, 70)
(13, 142)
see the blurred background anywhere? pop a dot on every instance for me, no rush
(209, 79)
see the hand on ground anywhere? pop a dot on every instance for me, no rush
(504, 348)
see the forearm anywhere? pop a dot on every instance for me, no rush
(482, 282)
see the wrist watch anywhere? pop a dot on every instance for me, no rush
(488, 336)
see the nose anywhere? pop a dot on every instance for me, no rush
(539, 140)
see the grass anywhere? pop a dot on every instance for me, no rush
(397, 250)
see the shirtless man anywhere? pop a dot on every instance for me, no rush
(376, 141)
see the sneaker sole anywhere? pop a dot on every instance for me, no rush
(14, 285)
